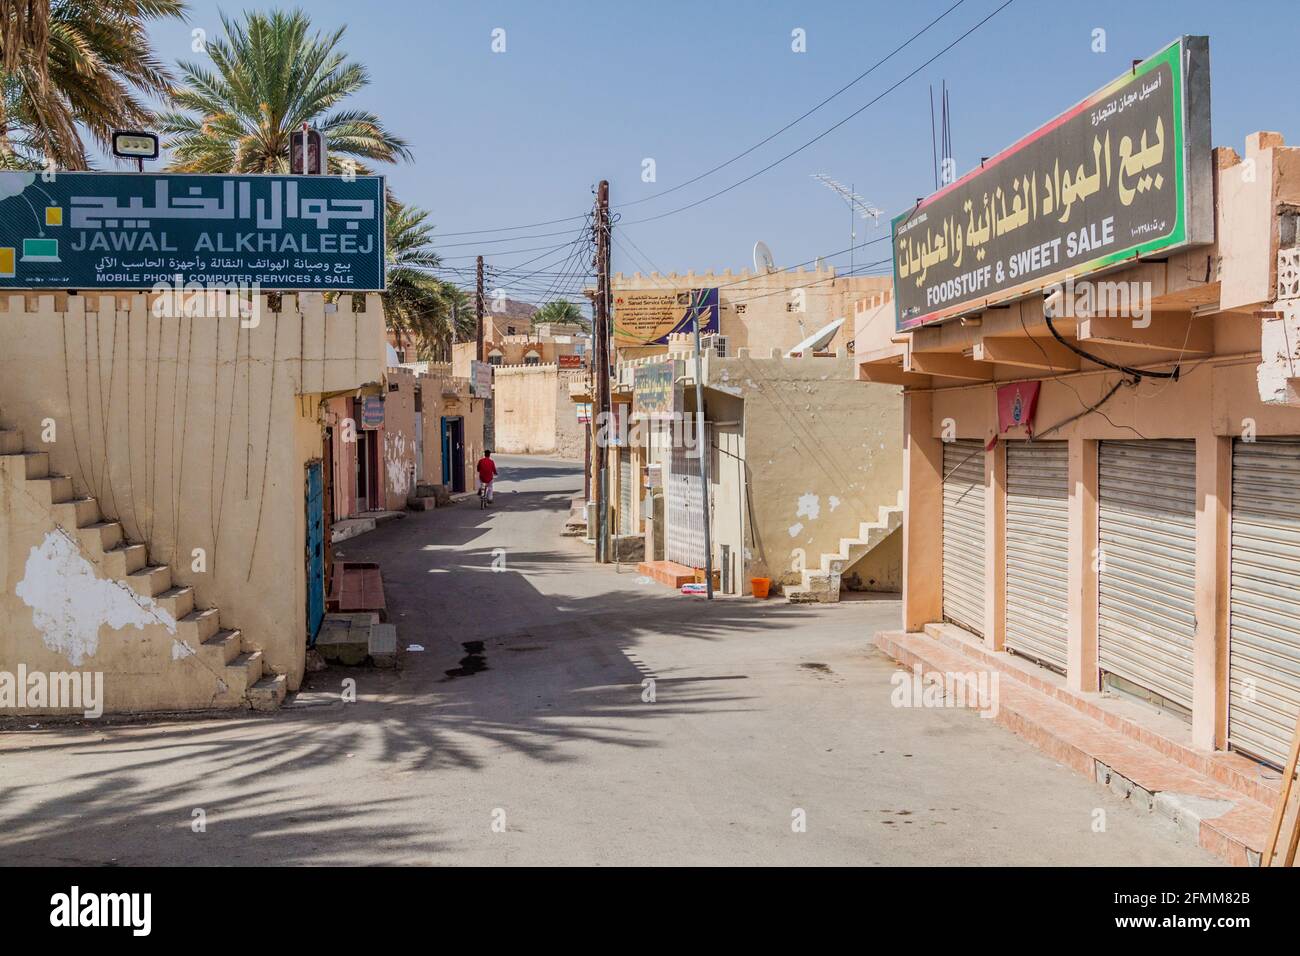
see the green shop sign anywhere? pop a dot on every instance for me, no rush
(137, 230)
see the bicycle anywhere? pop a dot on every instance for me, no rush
(482, 497)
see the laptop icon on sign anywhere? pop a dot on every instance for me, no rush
(41, 250)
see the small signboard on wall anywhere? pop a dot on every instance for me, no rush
(372, 413)
(480, 380)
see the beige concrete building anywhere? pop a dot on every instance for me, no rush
(162, 490)
(433, 430)
(759, 310)
(1146, 542)
(534, 414)
(804, 470)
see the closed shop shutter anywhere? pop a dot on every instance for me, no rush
(684, 537)
(1264, 622)
(1038, 540)
(963, 534)
(1146, 621)
(625, 491)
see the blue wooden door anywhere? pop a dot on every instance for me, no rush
(315, 550)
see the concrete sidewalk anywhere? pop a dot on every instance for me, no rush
(1222, 800)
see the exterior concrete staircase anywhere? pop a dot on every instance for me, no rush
(238, 675)
(822, 585)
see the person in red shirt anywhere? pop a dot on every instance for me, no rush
(487, 473)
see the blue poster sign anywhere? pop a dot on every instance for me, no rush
(136, 230)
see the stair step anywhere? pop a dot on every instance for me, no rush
(242, 673)
(37, 462)
(176, 601)
(269, 692)
(125, 559)
(53, 489)
(102, 536)
(197, 626)
(151, 580)
(11, 441)
(76, 512)
(221, 648)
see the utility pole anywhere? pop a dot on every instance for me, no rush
(489, 404)
(478, 309)
(602, 371)
(706, 453)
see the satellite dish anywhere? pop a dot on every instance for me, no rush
(393, 360)
(763, 261)
(818, 340)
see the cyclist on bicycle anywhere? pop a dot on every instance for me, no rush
(487, 473)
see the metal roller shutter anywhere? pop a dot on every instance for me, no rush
(1146, 580)
(625, 491)
(963, 534)
(1264, 628)
(1038, 539)
(684, 538)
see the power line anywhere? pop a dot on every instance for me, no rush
(829, 130)
(799, 119)
(763, 142)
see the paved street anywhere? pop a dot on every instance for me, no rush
(760, 710)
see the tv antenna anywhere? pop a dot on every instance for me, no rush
(858, 206)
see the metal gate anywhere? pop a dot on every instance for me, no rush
(1038, 539)
(1146, 619)
(625, 491)
(315, 550)
(963, 534)
(684, 540)
(1264, 621)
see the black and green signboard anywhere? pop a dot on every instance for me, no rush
(136, 230)
(1125, 173)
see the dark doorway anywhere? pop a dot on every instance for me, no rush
(453, 454)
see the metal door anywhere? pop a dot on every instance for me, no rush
(625, 491)
(1038, 539)
(1264, 621)
(684, 540)
(1146, 619)
(315, 549)
(963, 534)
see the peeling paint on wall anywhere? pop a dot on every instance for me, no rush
(397, 466)
(70, 603)
(810, 506)
(795, 529)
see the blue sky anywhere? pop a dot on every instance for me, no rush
(588, 90)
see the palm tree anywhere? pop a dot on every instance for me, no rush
(419, 304)
(270, 75)
(560, 312)
(73, 65)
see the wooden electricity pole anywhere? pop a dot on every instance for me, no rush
(602, 409)
(478, 310)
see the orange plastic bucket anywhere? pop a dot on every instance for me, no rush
(760, 586)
